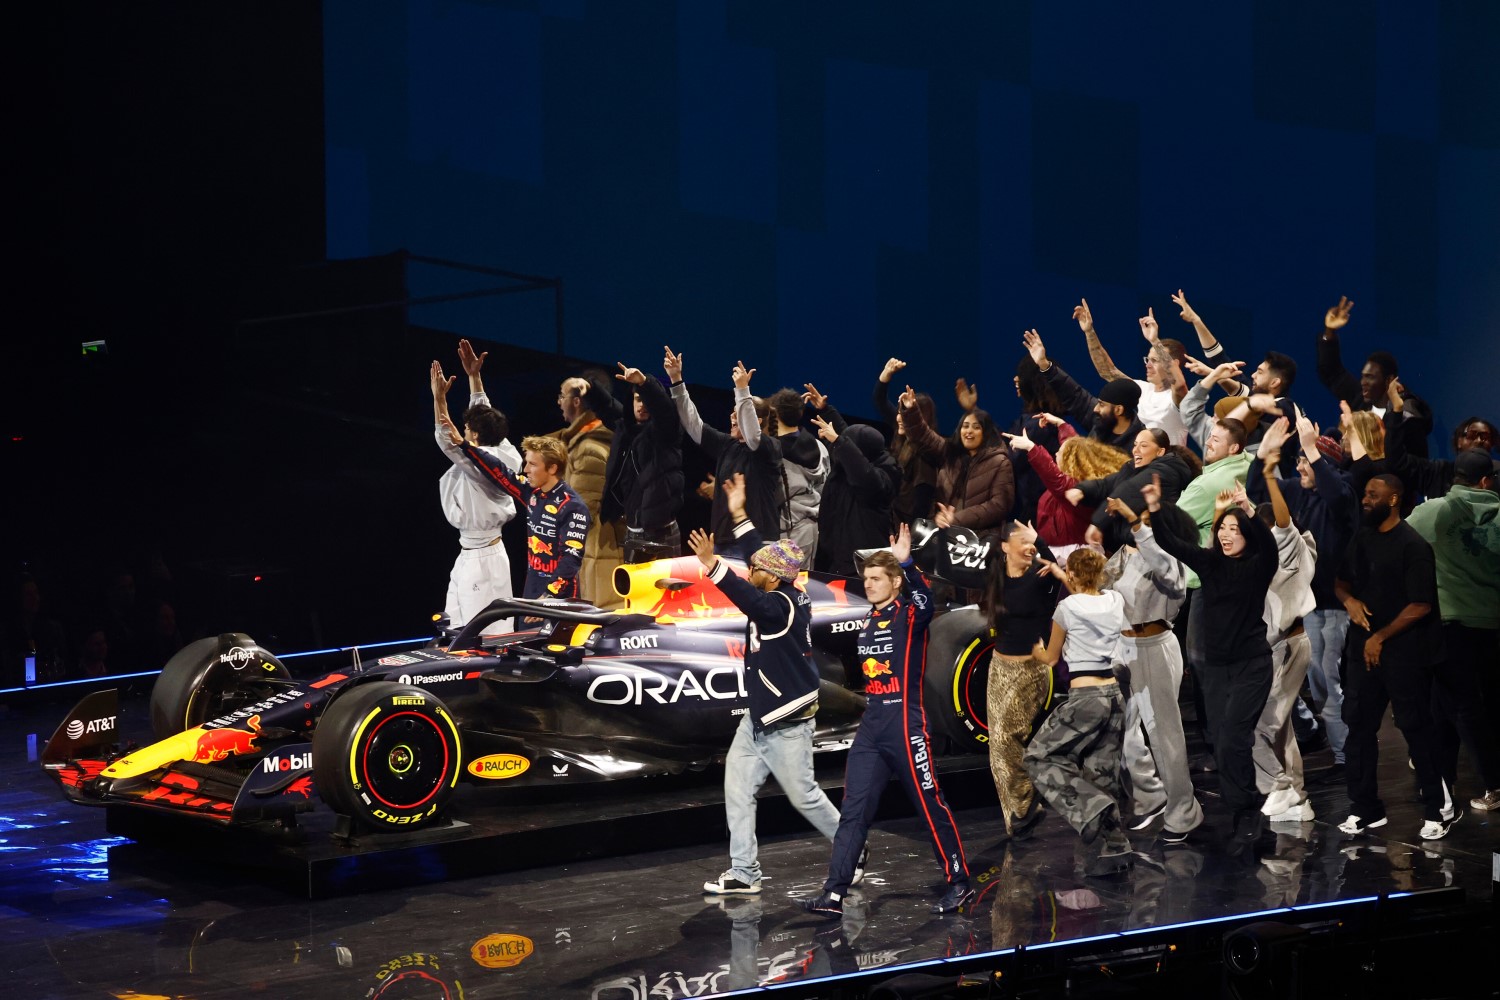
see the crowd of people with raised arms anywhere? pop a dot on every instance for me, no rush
(1197, 522)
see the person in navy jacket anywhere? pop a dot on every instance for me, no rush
(775, 735)
(892, 737)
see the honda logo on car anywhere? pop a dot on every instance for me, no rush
(853, 626)
(78, 728)
(432, 678)
(719, 684)
(292, 762)
(498, 766)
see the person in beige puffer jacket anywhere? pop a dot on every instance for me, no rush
(588, 440)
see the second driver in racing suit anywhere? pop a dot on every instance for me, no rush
(892, 737)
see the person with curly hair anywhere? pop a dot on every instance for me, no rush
(1059, 523)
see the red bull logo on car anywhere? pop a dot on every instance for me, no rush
(216, 744)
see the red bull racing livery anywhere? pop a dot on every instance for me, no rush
(588, 695)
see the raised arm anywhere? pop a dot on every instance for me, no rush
(1106, 368)
(1206, 340)
(1269, 457)
(472, 363)
(880, 398)
(1183, 549)
(918, 433)
(1076, 402)
(1331, 371)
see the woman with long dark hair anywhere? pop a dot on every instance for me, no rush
(1018, 605)
(918, 472)
(975, 485)
(1236, 569)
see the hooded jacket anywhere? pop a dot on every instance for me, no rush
(1126, 484)
(643, 481)
(1464, 534)
(862, 484)
(980, 487)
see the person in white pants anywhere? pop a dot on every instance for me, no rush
(481, 573)
(1278, 762)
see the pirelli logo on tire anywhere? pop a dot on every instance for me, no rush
(499, 766)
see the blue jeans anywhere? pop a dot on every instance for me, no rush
(1325, 633)
(787, 753)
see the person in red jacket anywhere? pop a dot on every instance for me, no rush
(1058, 523)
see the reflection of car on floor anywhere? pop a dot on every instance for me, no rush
(576, 695)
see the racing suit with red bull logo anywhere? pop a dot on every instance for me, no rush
(892, 737)
(557, 522)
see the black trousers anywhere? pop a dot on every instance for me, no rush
(1461, 710)
(1408, 692)
(1234, 694)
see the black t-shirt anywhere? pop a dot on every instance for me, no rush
(1388, 570)
(1029, 602)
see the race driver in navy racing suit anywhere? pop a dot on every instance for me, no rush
(892, 737)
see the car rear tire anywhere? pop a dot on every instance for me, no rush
(387, 756)
(209, 678)
(959, 648)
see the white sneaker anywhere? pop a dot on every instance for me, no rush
(1488, 802)
(1302, 812)
(1354, 826)
(1437, 829)
(1280, 801)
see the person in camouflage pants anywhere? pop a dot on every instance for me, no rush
(1074, 759)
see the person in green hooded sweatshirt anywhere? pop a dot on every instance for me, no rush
(1463, 528)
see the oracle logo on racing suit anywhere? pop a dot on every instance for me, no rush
(718, 684)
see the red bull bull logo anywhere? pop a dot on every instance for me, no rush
(537, 547)
(873, 668)
(216, 744)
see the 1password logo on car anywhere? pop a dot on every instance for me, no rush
(291, 762)
(78, 728)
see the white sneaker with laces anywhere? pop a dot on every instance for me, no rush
(1437, 829)
(727, 885)
(1488, 802)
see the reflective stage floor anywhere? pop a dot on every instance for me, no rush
(77, 920)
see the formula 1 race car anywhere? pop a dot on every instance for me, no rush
(576, 695)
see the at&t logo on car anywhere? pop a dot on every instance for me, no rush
(291, 762)
(78, 728)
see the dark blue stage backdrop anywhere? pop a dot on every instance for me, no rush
(816, 186)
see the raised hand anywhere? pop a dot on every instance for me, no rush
(706, 488)
(1346, 415)
(1187, 314)
(734, 494)
(1035, 347)
(1084, 317)
(446, 422)
(1338, 317)
(1394, 390)
(470, 361)
(1149, 329)
(1307, 435)
(671, 364)
(892, 366)
(1020, 442)
(1264, 402)
(1151, 493)
(440, 383)
(813, 397)
(1276, 436)
(627, 374)
(1074, 496)
(1050, 418)
(825, 430)
(1242, 499)
(908, 399)
(944, 516)
(1223, 502)
(741, 375)
(1195, 366)
(967, 395)
(901, 544)
(702, 545)
(1227, 370)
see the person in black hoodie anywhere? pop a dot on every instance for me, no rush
(1151, 456)
(1236, 571)
(862, 483)
(1110, 416)
(761, 466)
(643, 480)
(775, 733)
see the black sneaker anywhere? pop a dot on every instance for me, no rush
(826, 904)
(727, 885)
(959, 895)
(859, 866)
